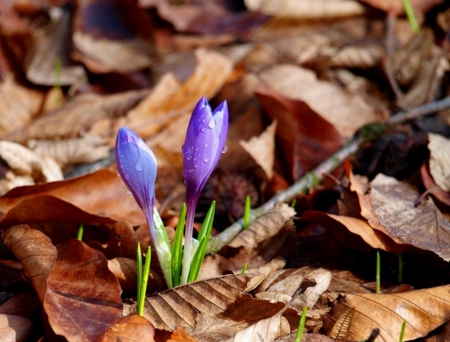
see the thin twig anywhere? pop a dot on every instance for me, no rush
(316, 176)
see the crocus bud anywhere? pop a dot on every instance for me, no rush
(204, 143)
(203, 146)
(136, 164)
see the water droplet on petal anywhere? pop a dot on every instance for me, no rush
(211, 123)
(206, 145)
(196, 150)
(138, 166)
(127, 176)
(203, 129)
(118, 173)
(205, 160)
(189, 157)
(204, 120)
(128, 191)
(225, 149)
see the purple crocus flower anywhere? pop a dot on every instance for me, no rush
(203, 146)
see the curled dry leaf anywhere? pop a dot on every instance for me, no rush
(14, 328)
(390, 207)
(439, 147)
(262, 149)
(346, 112)
(180, 335)
(266, 330)
(87, 149)
(86, 113)
(86, 193)
(170, 98)
(36, 253)
(281, 286)
(83, 297)
(396, 6)
(424, 311)
(24, 304)
(179, 307)
(130, 329)
(319, 9)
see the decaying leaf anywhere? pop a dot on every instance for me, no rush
(439, 147)
(179, 307)
(266, 330)
(170, 98)
(390, 206)
(180, 335)
(346, 112)
(342, 326)
(83, 297)
(129, 329)
(306, 9)
(14, 328)
(36, 253)
(425, 309)
(262, 149)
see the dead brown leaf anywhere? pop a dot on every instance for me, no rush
(180, 335)
(439, 147)
(179, 307)
(262, 149)
(83, 297)
(36, 253)
(396, 6)
(424, 311)
(130, 328)
(390, 207)
(15, 328)
(24, 304)
(266, 329)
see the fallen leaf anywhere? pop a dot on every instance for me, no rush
(262, 149)
(24, 304)
(36, 253)
(130, 329)
(180, 335)
(318, 9)
(266, 330)
(424, 311)
(346, 112)
(179, 307)
(83, 297)
(14, 328)
(305, 137)
(396, 6)
(390, 207)
(101, 193)
(439, 147)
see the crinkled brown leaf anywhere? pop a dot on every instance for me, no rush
(36, 253)
(424, 311)
(390, 206)
(397, 7)
(439, 147)
(318, 9)
(180, 335)
(14, 328)
(266, 330)
(83, 296)
(24, 304)
(262, 149)
(130, 329)
(87, 113)
(342, 326)
(306, 138)
(179, 307)
(170, 98)
(101, 193)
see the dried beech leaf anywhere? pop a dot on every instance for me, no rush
(83, 296)
(281, 285)
(170, 98)
(439, 160)
(179, 307)
(36, 253)
(88, 149)
(262, 149)
(342, 326)
(396, 7)
(14, 328)
(78, 117)
(362, 57)
(19, 104)
(390, 207)
(346, 112)
(266, 330)
(131, 328)
(24, 304)
(180, 335)
(318, 9)
(87, 193)
(424, 311)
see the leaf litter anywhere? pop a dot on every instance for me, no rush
(301, 82)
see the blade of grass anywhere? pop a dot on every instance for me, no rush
(402, 332)
(377, 278)
(139, 275)
(244, 269)
(144, 281)
(247, 209)
(177, 247)
(411, 16)
(80, 232)
(301, 325)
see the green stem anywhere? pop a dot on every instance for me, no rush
(377, 279)
(301, 325)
